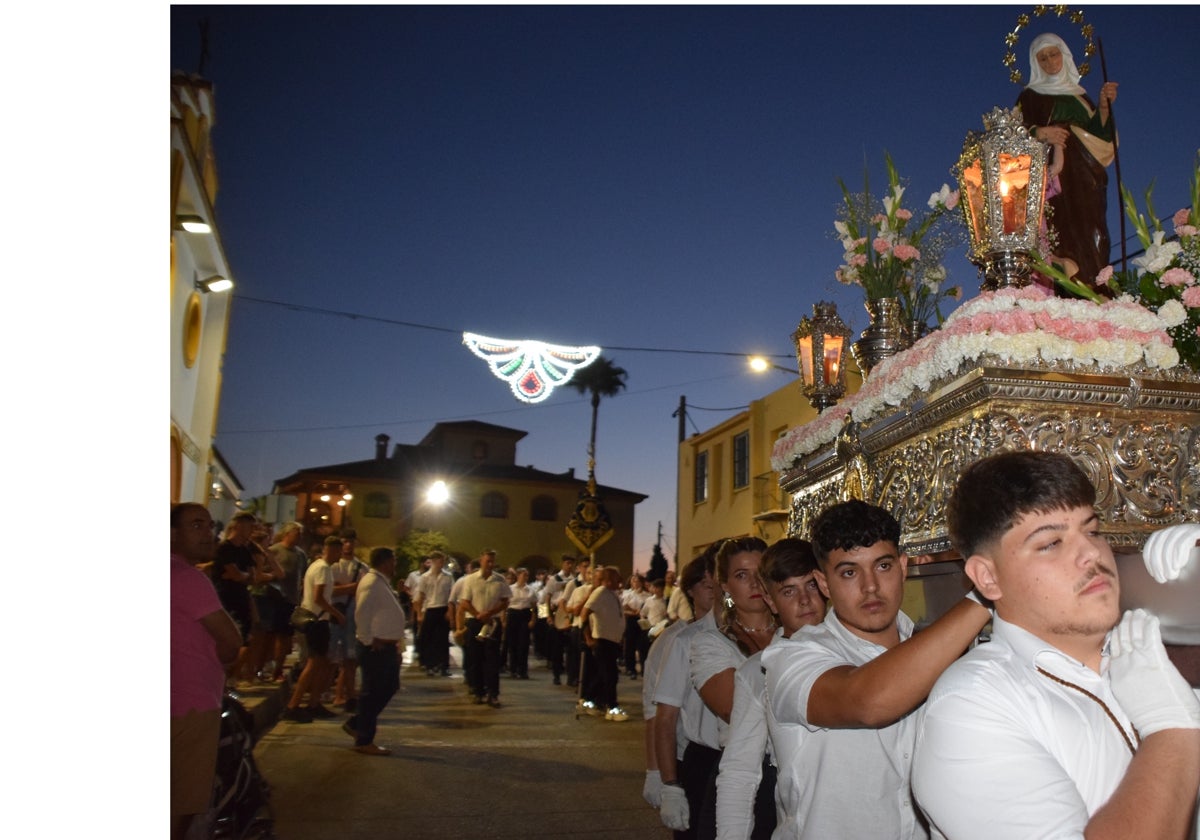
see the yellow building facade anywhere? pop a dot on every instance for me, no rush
(520, 512)
(726, 485)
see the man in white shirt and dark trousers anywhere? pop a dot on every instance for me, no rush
(855, 682)
(603, 626)
(485, 596)
(518, 624)
(431, 602)
(559, 626)
(1067, 723)
(379, 633)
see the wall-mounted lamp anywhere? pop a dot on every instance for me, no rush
(820, 343)
(216, 283)
(194, 224)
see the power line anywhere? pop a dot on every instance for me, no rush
(476, 414)
(357, 316)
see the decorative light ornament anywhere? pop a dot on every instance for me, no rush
(820, 345)
(1002, 179)
(533, 369)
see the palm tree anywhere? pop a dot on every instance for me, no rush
(601, 379)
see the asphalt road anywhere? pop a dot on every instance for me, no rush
(528, 769)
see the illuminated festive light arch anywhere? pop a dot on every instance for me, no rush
(533, 369)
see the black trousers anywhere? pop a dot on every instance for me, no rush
(700, 763)
(633, 644)
(605, 657)
(484, 661)
(433, 639)
(380, 682)
(574, 653)
(557, 642)
(516, 634)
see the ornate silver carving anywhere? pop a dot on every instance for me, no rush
(1137, 438)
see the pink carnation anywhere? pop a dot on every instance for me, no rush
(1181, 217)
(858, 260)
(1191, 297)
(878, 219)
(1177, 277)
(903, 214)
(907, 252)
(952, 201)
(1186, 230)
(1104, 276)
(880, 245)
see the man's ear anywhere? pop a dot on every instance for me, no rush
(819, 577)
(982, 572)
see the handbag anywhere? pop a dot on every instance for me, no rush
(301, 618)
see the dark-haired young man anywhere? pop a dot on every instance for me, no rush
(855, 680)
(1067, 724)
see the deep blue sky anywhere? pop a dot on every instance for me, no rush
(647, 177)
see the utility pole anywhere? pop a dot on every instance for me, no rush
(681, 413)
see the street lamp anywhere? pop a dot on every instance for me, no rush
(759, 364)
(1002, 179)
(438, 493)
(820, 343)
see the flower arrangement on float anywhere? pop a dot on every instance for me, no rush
(1166, 277)
(890, 253)
(1014, 326)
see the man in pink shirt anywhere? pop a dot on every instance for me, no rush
(204, 638)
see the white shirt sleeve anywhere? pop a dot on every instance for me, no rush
(741, 763)
(673, 677)
(793, 668)
(712, 653)
(975, 762)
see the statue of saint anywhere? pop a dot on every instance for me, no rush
(1058, 111)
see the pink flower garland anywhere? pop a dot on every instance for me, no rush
(1109, 335)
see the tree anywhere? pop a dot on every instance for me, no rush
(418, 543)
(658, 564)
(601, 379)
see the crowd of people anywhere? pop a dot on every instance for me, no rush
(799, 703)
(784, 692)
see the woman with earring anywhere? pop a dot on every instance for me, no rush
(741, 624)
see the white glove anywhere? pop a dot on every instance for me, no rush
(652, 788)
(1149, 688)
(674, 808)
(1167, 551)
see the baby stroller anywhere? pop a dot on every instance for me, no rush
(241, 796)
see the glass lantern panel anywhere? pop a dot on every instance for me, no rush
(1014, 191)
(972, 188)
(804, 347)
(833, 358)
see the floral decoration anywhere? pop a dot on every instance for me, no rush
(1166, 278)
(890, 253)
(1015, 326)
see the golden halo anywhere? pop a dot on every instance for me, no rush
(1023, 20)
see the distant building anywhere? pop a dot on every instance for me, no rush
(521, 512)
(199, 317)
(726, 485)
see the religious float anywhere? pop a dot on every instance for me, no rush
(1111, 382)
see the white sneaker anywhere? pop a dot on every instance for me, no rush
(616, 713)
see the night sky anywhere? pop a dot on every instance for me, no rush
(642, 178)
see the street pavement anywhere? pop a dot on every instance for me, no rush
(528, 769)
